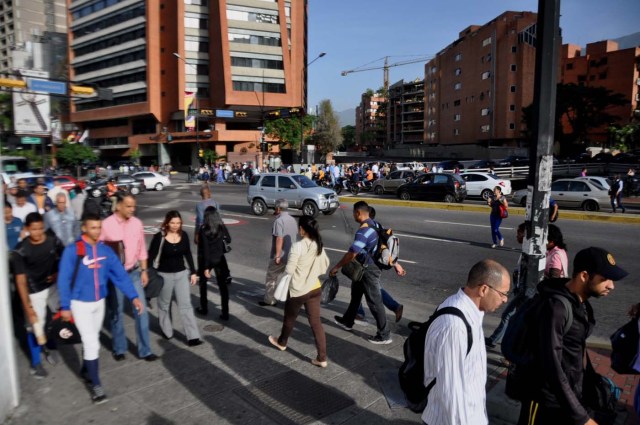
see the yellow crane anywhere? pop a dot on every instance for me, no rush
(386, 67)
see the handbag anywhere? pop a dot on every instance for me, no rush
(62, 331)
(156, 281)
(282, 288)
(599, 394)
(353, 270)
(504, 212)
(330, 288)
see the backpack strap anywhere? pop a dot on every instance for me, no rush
(80, 253)
(455, 312)
(568, 312)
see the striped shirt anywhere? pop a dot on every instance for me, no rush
(459, 396)
(365, 241)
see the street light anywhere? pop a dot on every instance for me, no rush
(197, 106)
(303, 90)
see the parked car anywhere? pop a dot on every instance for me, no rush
(98, 187)
(484, 163)
(32, 180)
(482, 184)
(572, 193)
(435, 187)
(514, 161)
(392, 181)
(300, 191)
(626, 158)
(597, 180)
(69, 182)
(450, 164)
(152, 180)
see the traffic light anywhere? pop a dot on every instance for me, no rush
(16, 84)
(201, 153)
(269, 146)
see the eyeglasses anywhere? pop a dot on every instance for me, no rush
(504, 294)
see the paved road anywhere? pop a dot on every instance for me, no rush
(437, 246)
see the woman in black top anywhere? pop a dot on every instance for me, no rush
(168, 251)
(495, 202)
(211, 248)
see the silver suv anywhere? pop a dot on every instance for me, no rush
(301, 193)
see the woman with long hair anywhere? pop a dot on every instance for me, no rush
(171, 247)
(307, 261)
(557, 259)
(212, 236)
(495, 218)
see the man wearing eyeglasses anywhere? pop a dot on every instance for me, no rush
(459, 372)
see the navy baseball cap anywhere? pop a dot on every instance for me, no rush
(596, 260)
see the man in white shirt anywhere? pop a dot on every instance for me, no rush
(22, 208)
(375, 170)
(459, 396)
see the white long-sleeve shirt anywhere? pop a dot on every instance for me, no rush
(459, 395)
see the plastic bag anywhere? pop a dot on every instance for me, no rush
(330, 288)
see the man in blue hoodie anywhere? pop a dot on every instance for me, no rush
(85, 269)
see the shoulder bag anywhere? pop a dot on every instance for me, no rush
(156, 282)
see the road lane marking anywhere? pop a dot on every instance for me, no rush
(465, 224)
(428, 238)
(343, 250)
(223, 213)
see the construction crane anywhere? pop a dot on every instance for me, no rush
(385, 67)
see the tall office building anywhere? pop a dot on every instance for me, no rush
(405, 112)
(371, 122)
(476, 87)
(239, 58)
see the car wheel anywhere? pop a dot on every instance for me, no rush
(259, 207)
(378, 190)
(590, 206)
(330, 212)
(449, 199)
(158, 186)
(134, 190)
(405, 196)
(523, 201)
(310, 209)
(486, 194)
(96, 193)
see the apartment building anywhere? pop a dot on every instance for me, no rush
(476, 87)
(405, 113)
(371, 121)
(604, 65)
(239, 59)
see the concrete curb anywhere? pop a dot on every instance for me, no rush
(565, 214)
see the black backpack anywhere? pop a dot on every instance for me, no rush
(411, 373)
(624, 348)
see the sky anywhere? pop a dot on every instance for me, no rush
(356, 32)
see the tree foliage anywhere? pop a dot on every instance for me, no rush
(288, 130)
(348, 136)
(74, 154)
(627, 137)
(210, 156)
(327, 135)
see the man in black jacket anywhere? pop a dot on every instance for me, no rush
(555, 378)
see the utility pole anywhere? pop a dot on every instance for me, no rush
(540, 152)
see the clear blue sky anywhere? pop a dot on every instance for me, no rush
(355, 32)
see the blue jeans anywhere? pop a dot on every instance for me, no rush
(496, 221)
(387, 301)
(369, 286)
(508, 312)
(116, 319)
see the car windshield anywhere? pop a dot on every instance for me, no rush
(303, 181)
(597, 184)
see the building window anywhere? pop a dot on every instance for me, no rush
(433, 69)
(485, 128)
(592, 77)
(457, 86)
(458, 71)
(456, 132)
(486, 41)
(602, 76)
(582, 78)
(254, 37)
(513, 67)
(512, 108)
(569, 66)
(456, 117)
(486, 75)
(488, 57)
(593, 62)
(512, 126)
(514, 49)
(456, 102)
(458, 57)
(513, 89)
(484, 112)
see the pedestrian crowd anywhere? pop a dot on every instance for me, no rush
(89, 269)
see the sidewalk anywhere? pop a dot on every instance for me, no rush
(237, 377)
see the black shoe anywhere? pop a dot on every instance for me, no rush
(194, 342)
(164, 335)
(224, 317)
(264, 304)
(340, 321)
(150, 358)
(98, 396)
(488, 343)
(201, 311)
(229, 280)
(118, 357)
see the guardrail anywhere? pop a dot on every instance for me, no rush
(560, 170)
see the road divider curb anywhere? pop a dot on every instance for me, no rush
(564, 214)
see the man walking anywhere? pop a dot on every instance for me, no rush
(62, 221)
(458, 395)
(615, 194)
(125, 232)
(554, 379)
(283, 234)
(362, 250)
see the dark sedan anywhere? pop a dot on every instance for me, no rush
(97, 188)
(484, 163)
(514, 161)
(434, 187)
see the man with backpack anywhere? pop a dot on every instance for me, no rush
(362, 251)
(455, 358)
(554, 330)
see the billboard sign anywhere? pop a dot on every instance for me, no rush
(31, 109)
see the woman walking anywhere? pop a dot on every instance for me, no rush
(171, 248)
(495, 217)
(557, 260)
(212, 236)
(307, 261)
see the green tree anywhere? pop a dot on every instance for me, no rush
(288, 130)
(74, 154)
(348, 136)
(210, 156)
(327, 136)
(625, 138)
(135, 155)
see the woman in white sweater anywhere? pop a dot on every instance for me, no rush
(307, 261)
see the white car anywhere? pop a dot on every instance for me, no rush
(152, 180)
(482, 184)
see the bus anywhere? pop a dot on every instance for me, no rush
(13, 168)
